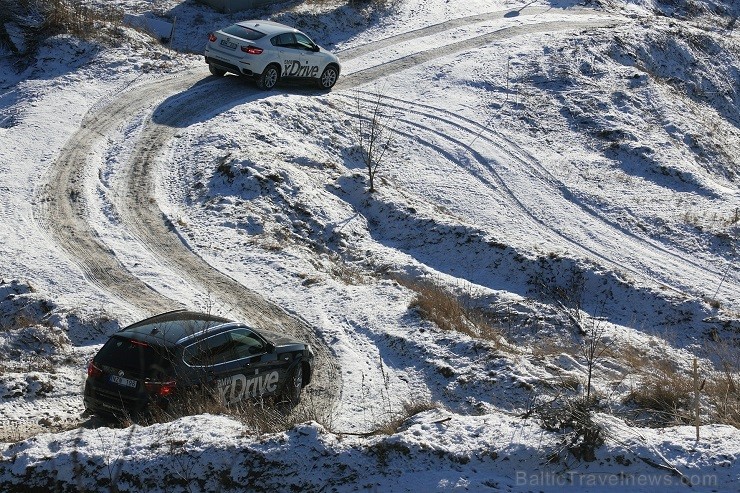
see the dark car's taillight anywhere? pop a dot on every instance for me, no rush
(212, 37)
(252, 50)
(92, 370)
(161, 389)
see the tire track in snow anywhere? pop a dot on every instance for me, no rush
(654, 262)
(436, 29)
(62, 202)
(354, 79)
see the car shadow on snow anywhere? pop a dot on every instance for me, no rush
(212, 96)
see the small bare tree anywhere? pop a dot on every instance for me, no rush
(593, 347)
(375, 134)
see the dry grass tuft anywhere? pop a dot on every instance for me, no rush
(723, 388)
(449, 312)
(394, 422)
(665, 393)
(41, 19)
(724, 394)
(259, 417)
(78, 18)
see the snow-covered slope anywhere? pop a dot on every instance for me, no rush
(567, 174)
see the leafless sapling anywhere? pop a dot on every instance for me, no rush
(375, 134)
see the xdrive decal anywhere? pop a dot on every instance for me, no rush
(235, 387)
(293, 68)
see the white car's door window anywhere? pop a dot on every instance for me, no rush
(298, 55)
(285, 40)
(303, 42)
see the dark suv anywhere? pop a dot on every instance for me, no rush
(159, 359)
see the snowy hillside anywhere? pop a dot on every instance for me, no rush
(550, 248)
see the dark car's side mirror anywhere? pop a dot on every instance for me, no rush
(270, 347)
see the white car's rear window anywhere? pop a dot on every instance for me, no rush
(242, 32)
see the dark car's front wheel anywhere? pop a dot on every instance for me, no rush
(294, 385)
(269, 78)
(328, 77)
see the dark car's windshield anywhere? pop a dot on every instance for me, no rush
(243, 32)
(135, 356)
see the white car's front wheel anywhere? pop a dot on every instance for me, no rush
(269, 78)
(328, 77)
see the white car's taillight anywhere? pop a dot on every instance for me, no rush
(252, 50)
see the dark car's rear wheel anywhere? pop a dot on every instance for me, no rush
(294, 385)
(328, 77)
(269, 78)
(218, 72)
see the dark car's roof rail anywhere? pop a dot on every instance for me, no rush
(147, 320)
(169, 327)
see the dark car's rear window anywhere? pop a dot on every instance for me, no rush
(243, 32)
(131, 355)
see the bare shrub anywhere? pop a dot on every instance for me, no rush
(573, 417)
(375, 133)
(567, 294)
(593, 347)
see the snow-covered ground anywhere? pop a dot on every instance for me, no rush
(568, 172)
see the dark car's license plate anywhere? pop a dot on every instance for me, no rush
(123, 381)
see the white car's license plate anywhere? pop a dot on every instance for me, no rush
(228, 44)
(126, 382)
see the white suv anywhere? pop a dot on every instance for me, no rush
(269, 51)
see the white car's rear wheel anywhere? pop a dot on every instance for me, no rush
(328, 77)
(216, 71)
(268, 78)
